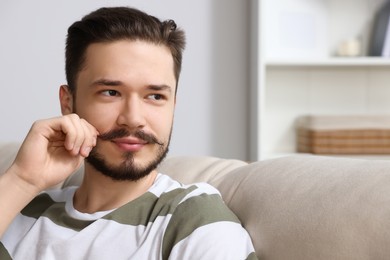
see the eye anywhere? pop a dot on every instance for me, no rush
(110, 93)
(156, 97)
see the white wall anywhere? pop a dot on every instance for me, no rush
(212, 109)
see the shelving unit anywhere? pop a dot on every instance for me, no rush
(330, 62)
(295, 70)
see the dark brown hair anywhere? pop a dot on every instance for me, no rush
(110, 24)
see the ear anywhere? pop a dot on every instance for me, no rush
(66, 100)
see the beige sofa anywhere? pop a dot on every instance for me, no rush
(299, 207)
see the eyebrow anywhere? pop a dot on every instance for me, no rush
(106, 82)
(113, 83)
(162, 87)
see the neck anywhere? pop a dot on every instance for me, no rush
(99, 192)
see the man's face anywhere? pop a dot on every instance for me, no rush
(126, 89)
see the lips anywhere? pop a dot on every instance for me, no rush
(130, 144)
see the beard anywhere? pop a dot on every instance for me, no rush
(128, 170)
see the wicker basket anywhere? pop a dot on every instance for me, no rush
(344, 134)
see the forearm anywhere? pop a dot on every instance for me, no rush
(15, 194)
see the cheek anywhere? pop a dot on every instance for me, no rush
(97, 116)
(104, 122)
(162, 122)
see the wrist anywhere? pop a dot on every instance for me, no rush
(15, 194)
(25, 187)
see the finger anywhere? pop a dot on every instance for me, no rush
(81, 134)
(74, 132)
(90, 136)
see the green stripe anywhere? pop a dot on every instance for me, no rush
(4, 255)
(252, 256)
(44, 205)
(192, 214)
(140, 211)
(58, 215)
(148, 207)
(38, 205)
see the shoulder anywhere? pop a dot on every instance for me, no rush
(203, 203)
(200, 204)
(192, 200)
(202, 219)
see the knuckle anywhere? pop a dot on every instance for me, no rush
(73, 117)
(37, 124)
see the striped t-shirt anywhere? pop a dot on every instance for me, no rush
(169, 221)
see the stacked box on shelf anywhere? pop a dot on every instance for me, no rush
(344, 134)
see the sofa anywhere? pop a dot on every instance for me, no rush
(297, 207)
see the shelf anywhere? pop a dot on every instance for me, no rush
(295, 70)
(333, 61)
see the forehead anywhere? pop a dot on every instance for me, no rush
(127, 60)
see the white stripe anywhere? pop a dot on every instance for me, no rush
(104, 239)
(164, 184)
(220, 240)
(18, 228)
(203, 188)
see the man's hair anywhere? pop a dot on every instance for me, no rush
(111, 24)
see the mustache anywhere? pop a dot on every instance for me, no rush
(122, 132)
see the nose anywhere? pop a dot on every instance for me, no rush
(132, 114)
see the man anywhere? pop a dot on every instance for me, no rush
(122, 68)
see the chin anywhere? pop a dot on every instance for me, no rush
(132, 166)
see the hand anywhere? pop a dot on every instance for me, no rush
(54, 149)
